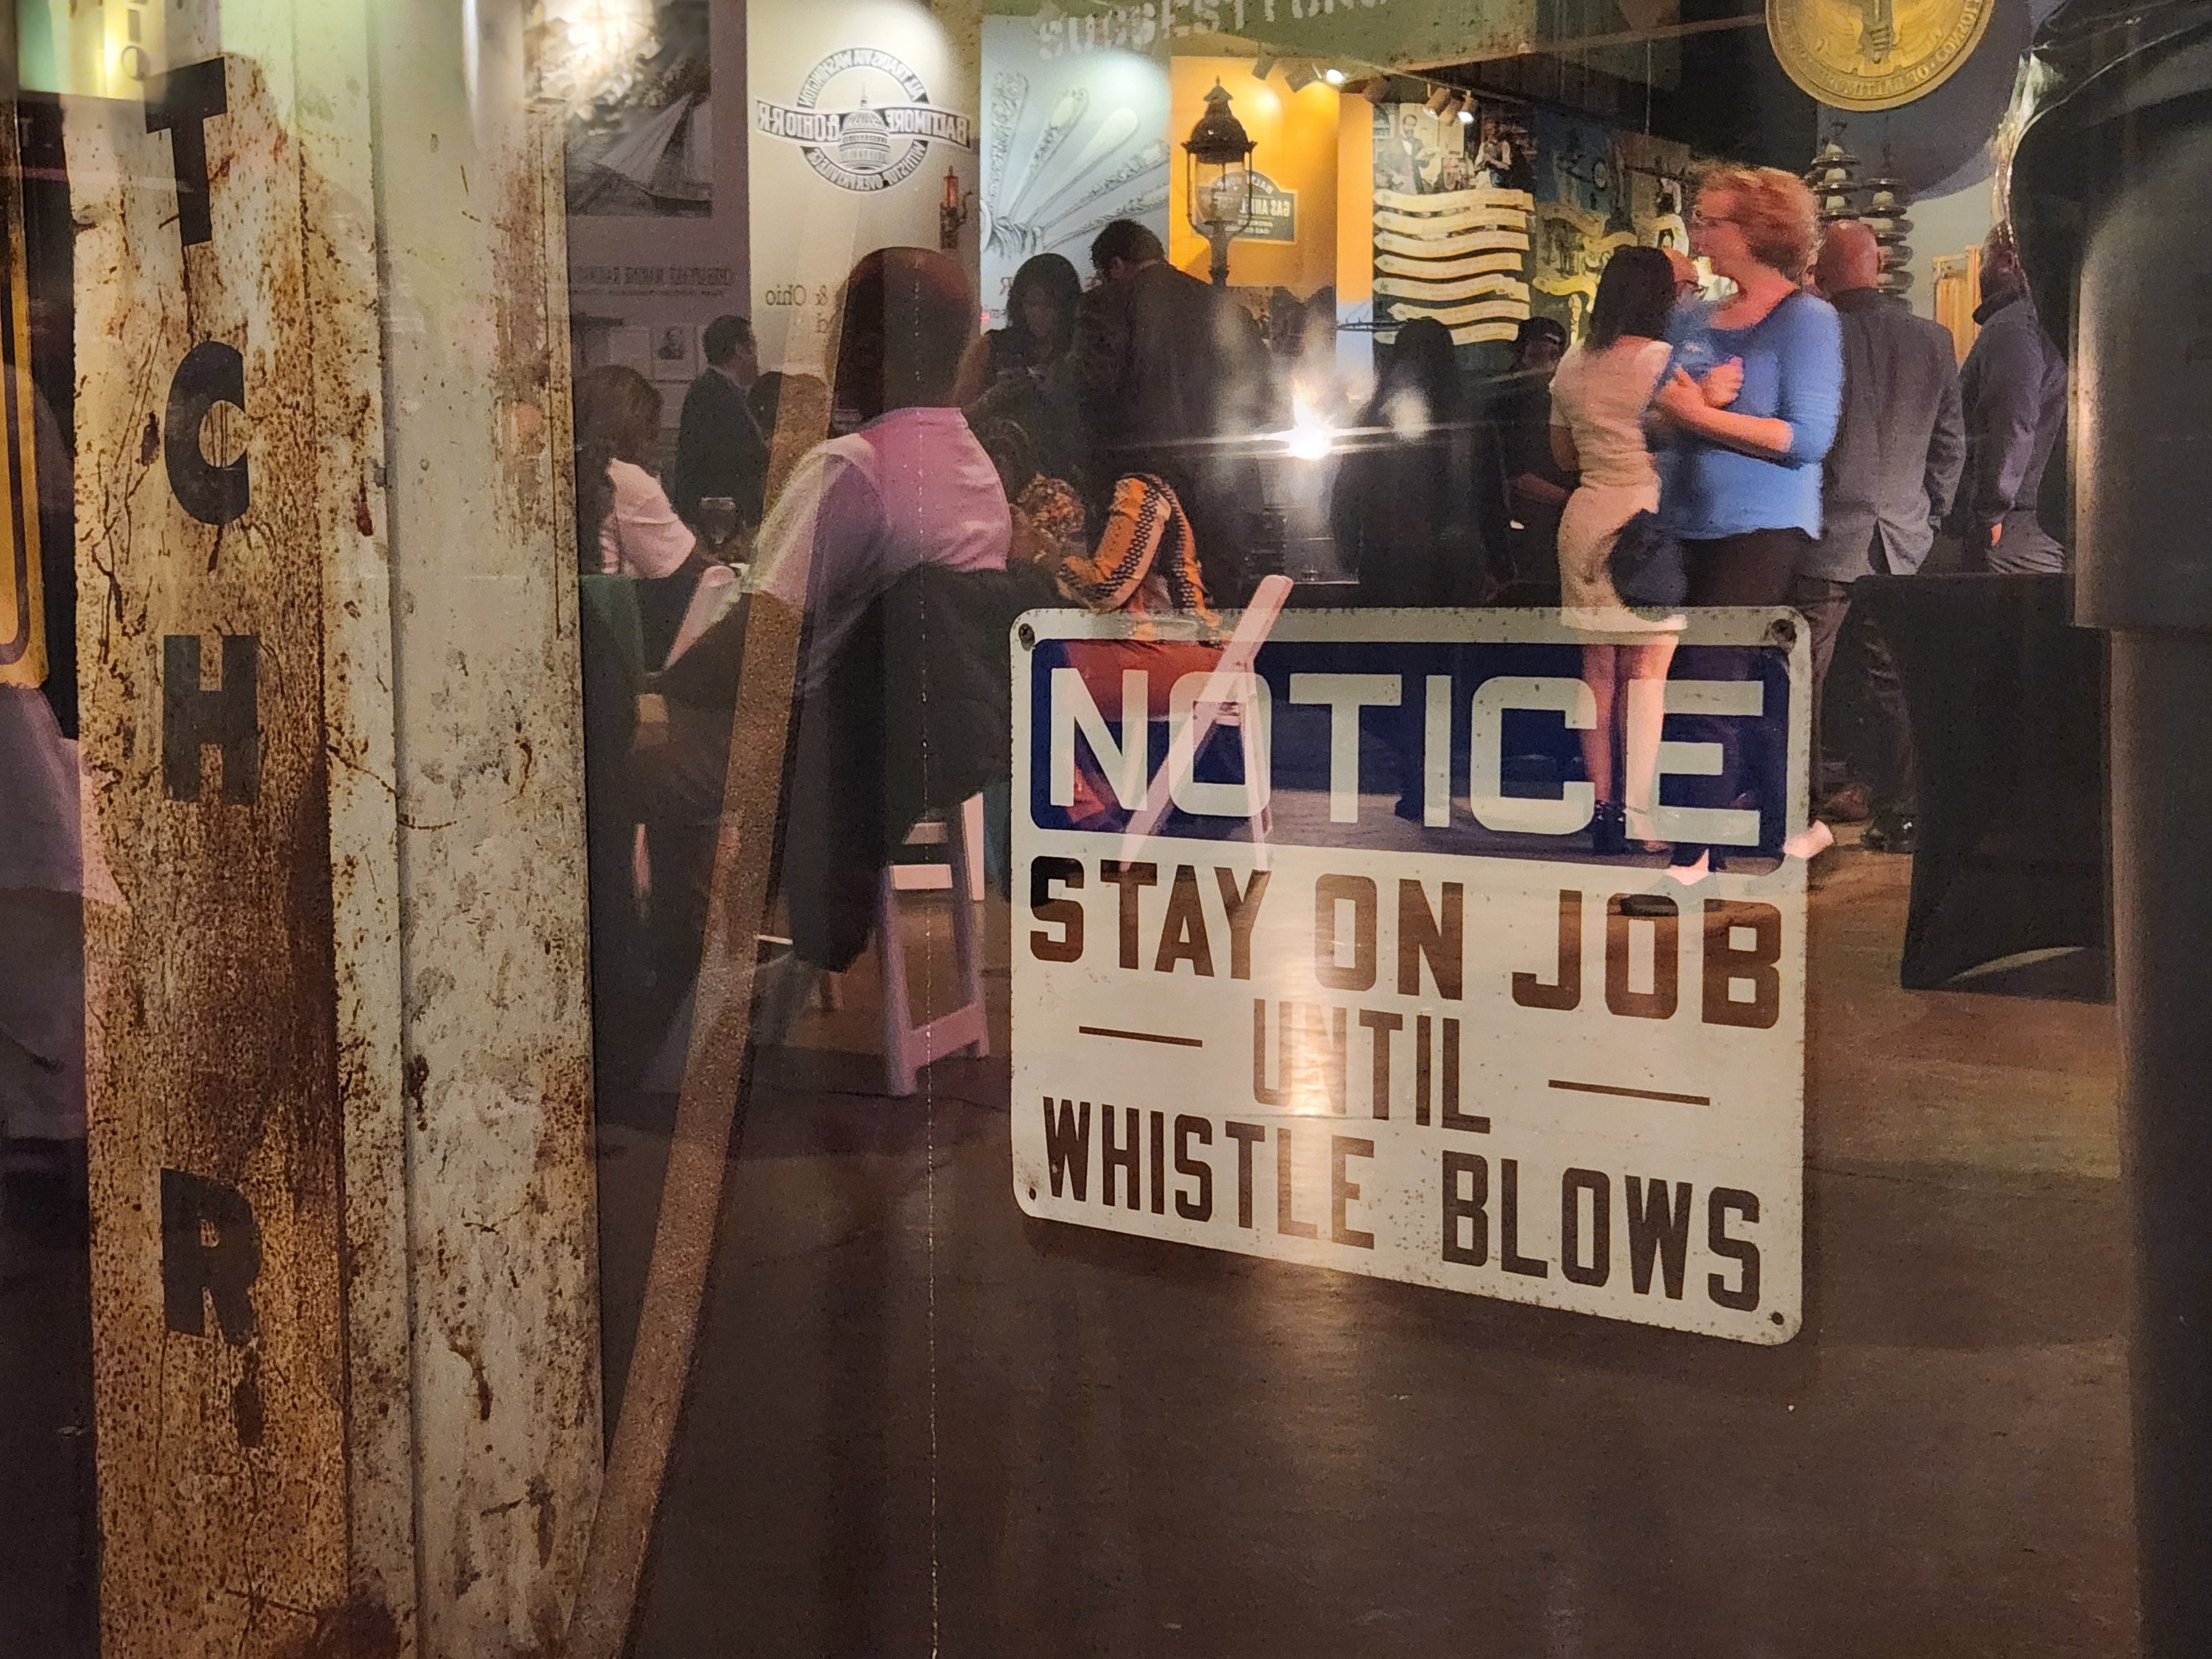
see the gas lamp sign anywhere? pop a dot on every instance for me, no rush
(1314, 957)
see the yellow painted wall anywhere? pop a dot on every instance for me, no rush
(1355, 201)
(1297, 134)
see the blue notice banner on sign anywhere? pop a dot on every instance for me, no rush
(1417, 740)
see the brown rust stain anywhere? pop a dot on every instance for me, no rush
(468, 1353)
(361, 1627)
(525, 366)
(541, 1503)
(248, 1413)
(416, 1077)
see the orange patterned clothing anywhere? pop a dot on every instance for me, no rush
(1147, 561)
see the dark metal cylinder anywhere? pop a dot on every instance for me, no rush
(2161, 754)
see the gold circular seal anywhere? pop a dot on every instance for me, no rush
(1874, 54)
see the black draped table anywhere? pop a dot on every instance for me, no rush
(2008, 707)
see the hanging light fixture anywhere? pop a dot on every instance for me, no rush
(1334, 75)
(1218, 166)
(1299, 74)
(1439, 100)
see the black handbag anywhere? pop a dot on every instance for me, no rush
(1646, 565)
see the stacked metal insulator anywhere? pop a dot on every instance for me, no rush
(1887, 200)
(1879, 203)
(1833, 178)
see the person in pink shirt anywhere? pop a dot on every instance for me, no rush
(907, 484)
(621, 508)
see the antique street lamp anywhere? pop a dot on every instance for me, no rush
(1219, 174)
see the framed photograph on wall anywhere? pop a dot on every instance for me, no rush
(676, 351)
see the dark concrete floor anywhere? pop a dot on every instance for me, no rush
(48, 1555)
(924, 1424)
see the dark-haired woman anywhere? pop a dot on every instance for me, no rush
(625, 523)
(1399, 508)
(1004, 385)
(1041, 304)
(1600, 398)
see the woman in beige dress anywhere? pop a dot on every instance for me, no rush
(1600, 397)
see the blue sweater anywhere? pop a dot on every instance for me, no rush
(1793, 371)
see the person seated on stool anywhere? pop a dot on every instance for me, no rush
(906, 487)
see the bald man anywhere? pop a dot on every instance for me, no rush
(904, 486)
(1889, 478)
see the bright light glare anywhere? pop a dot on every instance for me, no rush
(1467, 117)
(594, 48)
(1334, 75)
(1309, 438)
(1408, 413)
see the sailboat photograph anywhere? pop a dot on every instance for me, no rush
(643, 145)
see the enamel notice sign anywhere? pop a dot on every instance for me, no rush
(1329, 949)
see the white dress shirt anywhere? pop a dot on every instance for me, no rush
(642, 536)
(910, 487)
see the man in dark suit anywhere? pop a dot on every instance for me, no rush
(1521, 490)
(1161, 365)
(2014, 387)
(1890, 477)
(719, 447)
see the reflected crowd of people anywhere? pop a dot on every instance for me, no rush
(1131, 437)
(1762, 427)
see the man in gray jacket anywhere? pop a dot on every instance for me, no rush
(1890, 476)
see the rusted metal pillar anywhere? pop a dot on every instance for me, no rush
(2108, 182)
(493, 926)
(345, 1286)
(249, 1285)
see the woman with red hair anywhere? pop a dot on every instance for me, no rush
(1754, 393)
(1754, 397)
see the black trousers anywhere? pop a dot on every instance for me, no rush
(2025, 550)
(1854, 675)
(1750, 570)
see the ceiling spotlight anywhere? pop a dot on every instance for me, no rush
(1299, 76)
(1334, 75)
(1440, 100)
(1263, 66)
(1465, 116)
